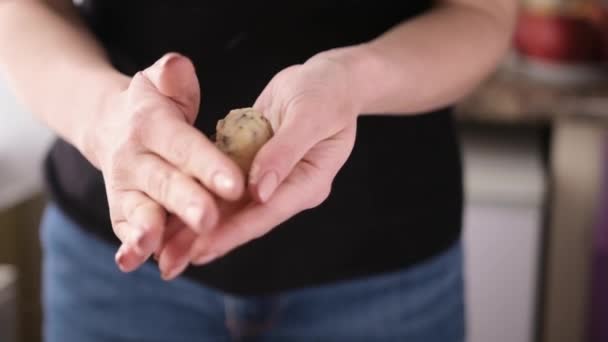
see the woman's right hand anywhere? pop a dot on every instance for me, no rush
(154, 162)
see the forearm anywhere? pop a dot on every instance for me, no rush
(429, 62)
(54, 66)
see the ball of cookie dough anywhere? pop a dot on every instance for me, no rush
(241, 134)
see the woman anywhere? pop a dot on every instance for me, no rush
(352, 233)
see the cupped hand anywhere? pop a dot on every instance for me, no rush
(314, 118)
(161, 174)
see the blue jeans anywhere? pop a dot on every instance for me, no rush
(87, 299)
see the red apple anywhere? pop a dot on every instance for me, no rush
(557, 38)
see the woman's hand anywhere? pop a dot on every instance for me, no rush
(155, 163)
(314, 118)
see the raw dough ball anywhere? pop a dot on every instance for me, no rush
(241, 134)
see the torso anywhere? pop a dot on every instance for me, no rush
(396, 202)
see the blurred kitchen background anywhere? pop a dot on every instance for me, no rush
(535, 148)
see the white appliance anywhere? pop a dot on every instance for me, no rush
(23, 143)
(505, 190)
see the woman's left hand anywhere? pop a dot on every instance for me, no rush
(314, 117)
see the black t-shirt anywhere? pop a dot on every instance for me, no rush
(396, 202)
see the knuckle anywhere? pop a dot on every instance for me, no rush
(199, 196)
(115, 212)
(142, 112)
(118, 174)
(136, 125)
(159, 183)
(118, 229)
(131, 210)
(181, 150)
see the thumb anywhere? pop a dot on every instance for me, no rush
(277, 158)
(174, 76)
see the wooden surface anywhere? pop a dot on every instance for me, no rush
(510, 97)
(8, 305)
(19, 246)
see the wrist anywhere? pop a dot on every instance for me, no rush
(88, 135)
(362, 64)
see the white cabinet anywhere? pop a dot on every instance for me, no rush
(505, 188)
(23, 144)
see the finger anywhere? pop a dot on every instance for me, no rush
(257, 219)
(146, 218)
(277, 158)
(138, 244)
(127, 258)
(174, 224)
(175, 191)
(174, 76)
(138, 222)
(190, 151)
(174, 258)
(123, 231)
(306, 187)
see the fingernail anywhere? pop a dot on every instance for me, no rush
(175, 270)
(205, 258)
(194, 215)
(120, 258)
(223, 182)
(267, 184)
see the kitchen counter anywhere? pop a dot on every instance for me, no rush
(510, 96)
